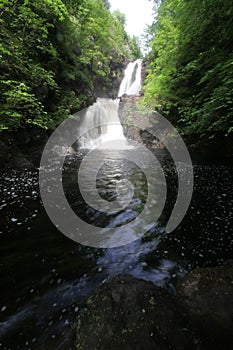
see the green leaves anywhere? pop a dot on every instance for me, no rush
(190, 73)
(52, 53)
(20, 105)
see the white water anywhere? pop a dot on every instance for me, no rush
(132, 82)
(101, 124)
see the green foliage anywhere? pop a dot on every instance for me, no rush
(124, 43)
(190, 76)
(52, 54)
(19, 102)
(135, 47)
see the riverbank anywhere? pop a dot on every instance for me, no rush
(23, 148)
(130, 313)
(131, 113)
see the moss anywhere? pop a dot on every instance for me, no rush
(125, 312)
(152, 301)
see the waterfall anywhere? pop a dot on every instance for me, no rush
(132, 82)
(101, 122)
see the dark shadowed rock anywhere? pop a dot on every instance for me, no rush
(128, 313)
(23, 148)
(10, 154)
(206, 296)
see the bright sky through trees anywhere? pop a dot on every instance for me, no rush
(139, 13)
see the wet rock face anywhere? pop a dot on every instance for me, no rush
(206, 296)
(138, 126)
(128, 313)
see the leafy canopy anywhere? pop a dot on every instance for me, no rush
(190, 74)
(52, 54)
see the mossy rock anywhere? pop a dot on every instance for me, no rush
(128, 313)
(206, 296)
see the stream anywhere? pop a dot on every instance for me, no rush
(46, 277)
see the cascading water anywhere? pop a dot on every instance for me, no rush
(132, 82)
(101, 123)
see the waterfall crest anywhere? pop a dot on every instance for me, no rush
(101, 123)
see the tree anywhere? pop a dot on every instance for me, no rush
(135, 47)
(189, 76)
(107, 4)
(52, 54)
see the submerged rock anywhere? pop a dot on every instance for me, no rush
(128, 313)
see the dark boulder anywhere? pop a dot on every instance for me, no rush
(127, 313)
(22, 148)
(206, 296)
(10, 154)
